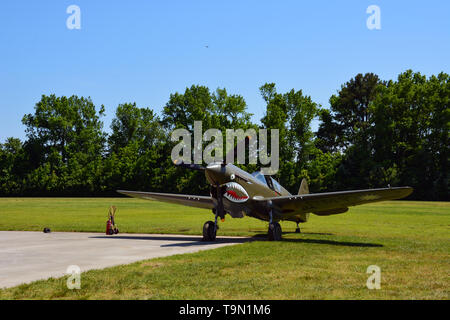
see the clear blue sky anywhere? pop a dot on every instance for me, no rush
(142, 51)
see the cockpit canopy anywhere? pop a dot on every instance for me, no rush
(267, 181)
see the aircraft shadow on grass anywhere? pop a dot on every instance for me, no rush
(335, 243)
(196, 241)
(323, 241)
(186, 241)
(314, 233)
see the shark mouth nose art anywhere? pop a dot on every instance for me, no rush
(235, 192)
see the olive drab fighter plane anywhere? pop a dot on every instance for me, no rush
(238, 193)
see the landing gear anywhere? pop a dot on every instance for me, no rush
(209, 231)
(274, 232)
(210, 228)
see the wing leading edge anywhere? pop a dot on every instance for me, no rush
(184, 199)
(334, 202)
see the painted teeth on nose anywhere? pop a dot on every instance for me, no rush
(237, 186)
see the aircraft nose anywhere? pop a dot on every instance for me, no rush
(214, 167)
(215, 173)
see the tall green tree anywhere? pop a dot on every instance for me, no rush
(350, 115)
(411, 132)
(345, 128)
(133, 124)
(13, 166)
(218, 110)
(67, 134)
(215, 109)
(291, 113)
(137, 150)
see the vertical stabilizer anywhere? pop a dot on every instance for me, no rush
(303, 187)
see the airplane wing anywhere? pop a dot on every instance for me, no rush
(187, 200)
(334, 202)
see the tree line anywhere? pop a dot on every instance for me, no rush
(374, 134)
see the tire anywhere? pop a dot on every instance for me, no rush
(110, 232)
(274, 232)
(209, 234)
(116, 231)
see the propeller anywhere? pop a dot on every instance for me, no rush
(246, 142)
(112, 211)
(191, 166)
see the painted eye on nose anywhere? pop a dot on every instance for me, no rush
(232, 176)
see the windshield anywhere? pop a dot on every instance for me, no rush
(274, 185)
(260, 177)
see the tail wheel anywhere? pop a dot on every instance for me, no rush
(274, 232)
(209, 232)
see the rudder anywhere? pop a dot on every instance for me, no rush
(304, 189)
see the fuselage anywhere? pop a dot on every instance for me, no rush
(241, 191)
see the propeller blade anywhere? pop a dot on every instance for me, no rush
(191, 166)
(246, 142)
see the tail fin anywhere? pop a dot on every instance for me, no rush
(303, 187)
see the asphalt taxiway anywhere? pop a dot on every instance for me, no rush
(27, 256)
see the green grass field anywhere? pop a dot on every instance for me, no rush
(409, 241)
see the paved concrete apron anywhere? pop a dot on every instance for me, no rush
(28, 256)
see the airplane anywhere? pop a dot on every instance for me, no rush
(238, 193)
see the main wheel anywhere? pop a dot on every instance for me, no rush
(274, 232)
(209, 232)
